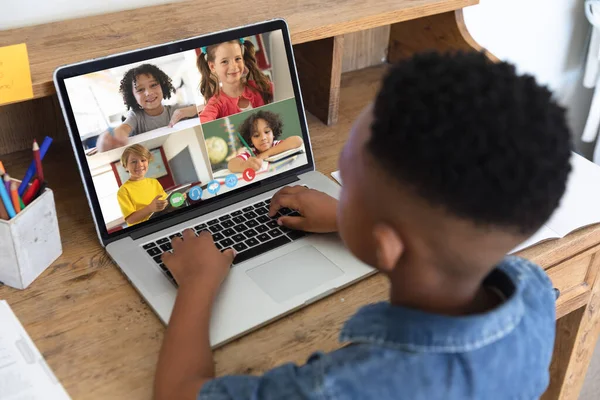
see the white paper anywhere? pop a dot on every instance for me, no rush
(337, 177)
(24, 374)
(580, 205)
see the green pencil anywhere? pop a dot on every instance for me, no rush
(246, 144)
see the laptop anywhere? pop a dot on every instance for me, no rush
(276, 270)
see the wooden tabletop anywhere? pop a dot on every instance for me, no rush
(102, 340)
(54, 44)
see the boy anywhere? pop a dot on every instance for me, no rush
(457, 162)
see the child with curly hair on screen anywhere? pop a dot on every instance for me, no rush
(261, 132)
(231, 80)
(143, 89)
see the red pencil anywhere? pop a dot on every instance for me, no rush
(31, 191)
(38, 160)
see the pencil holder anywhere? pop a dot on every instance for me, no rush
(29, 242)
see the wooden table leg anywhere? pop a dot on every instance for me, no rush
(319, 66)
(441, 32)
(576, 336)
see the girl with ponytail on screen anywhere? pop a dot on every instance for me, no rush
(231, 80)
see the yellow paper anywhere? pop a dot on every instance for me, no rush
(15, 76)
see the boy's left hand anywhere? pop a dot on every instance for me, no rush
(197, 261)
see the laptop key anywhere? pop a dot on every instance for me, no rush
(224, 217)
(163, 240)
(236, 213)
(260, 249)
(262, 229)
(250, 233)
(226, 242)
(239, 219)
(240, 228)
(252, 223)
(250, 215)
(239, 238)
(175, 235)
(268, 201)
(227, 223)
(163, 267)
(149, 245)
(257, 205)
(153, 251)
(272, 224)
(166, 247)
(284, 229)
(285, 211)
(228, 232)
(240, 247)
(294, 214)
(200, 227)
(246, 209)
(215, 228)
(158, 259)
(252, 242)
(263, 219)
(261, 211)
(275, 233)
(263, 237)
(219, 247)
(295, 235)
(212, 222)
(218, 236)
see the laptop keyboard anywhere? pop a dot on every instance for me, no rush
(250, 231)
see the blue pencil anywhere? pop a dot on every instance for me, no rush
(7, 203)
(31, 170)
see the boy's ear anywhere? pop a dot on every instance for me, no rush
(389, 247)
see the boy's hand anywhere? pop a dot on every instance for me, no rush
(157, 204)
(197, 261)
(108, 142)
(254, 163)
(319, 210)
(178, 115)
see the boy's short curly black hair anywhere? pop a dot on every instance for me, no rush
(273, 120)
(145, 69)
(473, 137)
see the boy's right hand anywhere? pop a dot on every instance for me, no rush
(318, 210)
(254, 163)
(157, 204)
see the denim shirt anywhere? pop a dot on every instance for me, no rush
(401, 353)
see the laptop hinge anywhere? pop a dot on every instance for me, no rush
(265, 187)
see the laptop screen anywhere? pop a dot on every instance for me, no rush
(173, 132)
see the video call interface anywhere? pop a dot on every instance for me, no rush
(174, 131)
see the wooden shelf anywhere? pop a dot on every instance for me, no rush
(54, 44)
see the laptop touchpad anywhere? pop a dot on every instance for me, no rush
(295, 273)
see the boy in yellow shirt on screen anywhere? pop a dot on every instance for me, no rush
(139, 197)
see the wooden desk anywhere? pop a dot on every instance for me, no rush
(102, 340)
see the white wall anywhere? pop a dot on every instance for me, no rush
(17, 13)
(546, 38)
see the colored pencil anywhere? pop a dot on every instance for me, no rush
(2, 170)
(246, 145)
(5, 197)
(31, 170)
(14, 195)
(38, 161)
(6, 182)
(31, 191)
(3, 213)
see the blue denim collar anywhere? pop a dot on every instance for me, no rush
(412, 330)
